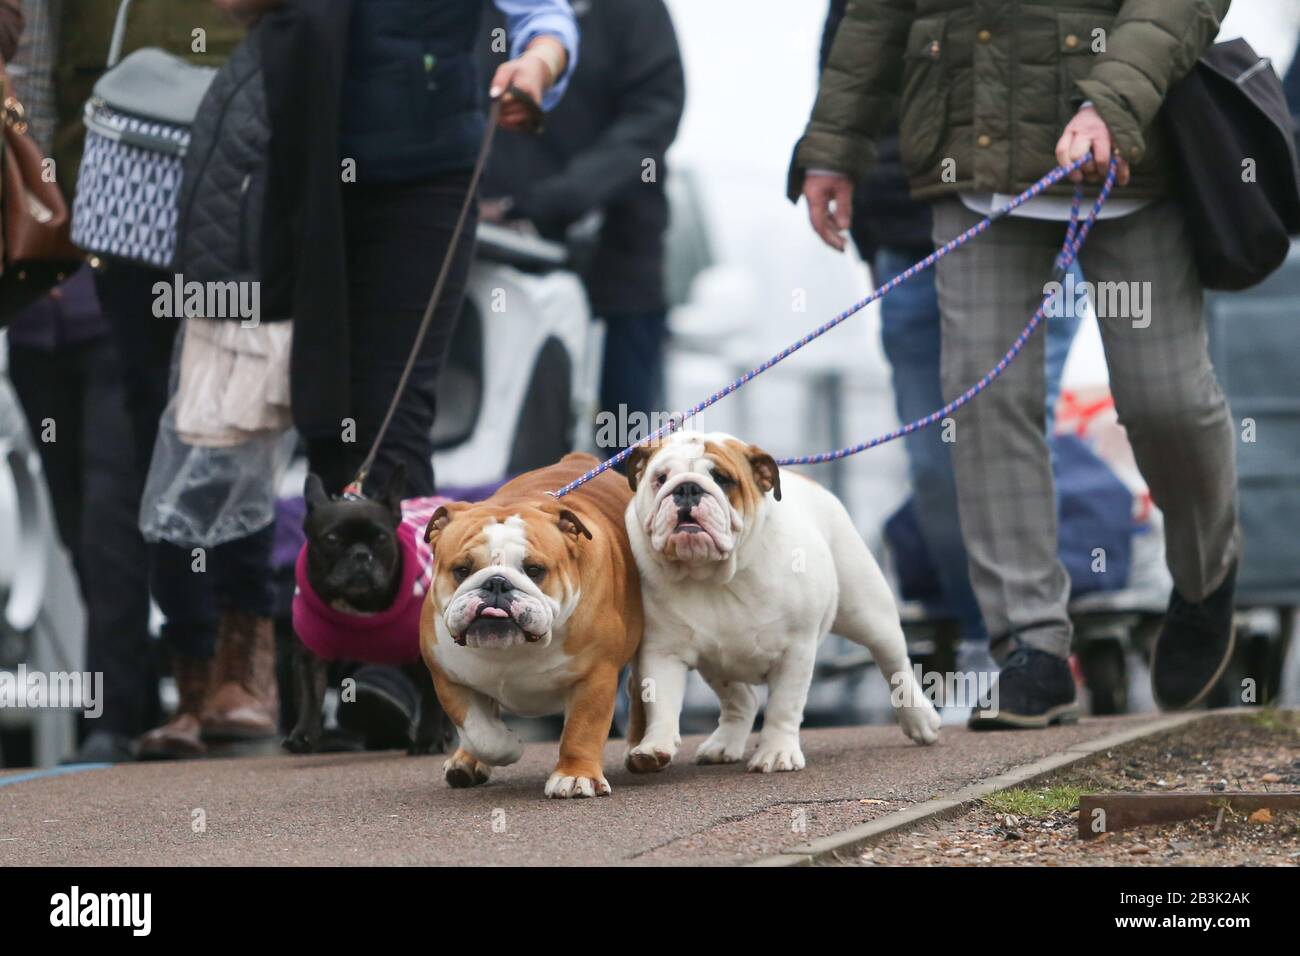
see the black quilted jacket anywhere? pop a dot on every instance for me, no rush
(258, 207)
(223, 192)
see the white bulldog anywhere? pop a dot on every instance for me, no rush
(744, 570)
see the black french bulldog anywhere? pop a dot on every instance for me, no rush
(354, 563)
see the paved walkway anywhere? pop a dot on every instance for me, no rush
(392, 809)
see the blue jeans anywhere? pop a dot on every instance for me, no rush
(909, 318)
(632, 373)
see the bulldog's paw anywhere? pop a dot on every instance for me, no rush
(776, 756)
(721, 747)
(567, 782)
(920, 722)
(650, 756)
(462, 769)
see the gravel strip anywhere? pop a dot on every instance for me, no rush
(1240, 752)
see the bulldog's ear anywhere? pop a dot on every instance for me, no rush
(570, 524)
(636, 461)
(313, 492)
(440, 519)
(767, 475)
(394, 491)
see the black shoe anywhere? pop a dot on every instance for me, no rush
(104, 746)
(385, 708)
(1034, 689)
(1193, 647)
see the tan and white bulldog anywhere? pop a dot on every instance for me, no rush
(745, 568)
(535, 607)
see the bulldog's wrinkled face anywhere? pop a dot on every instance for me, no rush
(696, 493)
(504, 578)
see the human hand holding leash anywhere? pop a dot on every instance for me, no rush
(824, 190)
(523, 82)
(1089, 132)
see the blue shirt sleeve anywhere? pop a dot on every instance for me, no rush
(528, 19)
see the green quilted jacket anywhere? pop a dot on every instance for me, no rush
(85, 30)
(982, 89)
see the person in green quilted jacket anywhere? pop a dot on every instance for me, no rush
(991, 95)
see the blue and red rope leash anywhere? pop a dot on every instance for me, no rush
(1076, 234)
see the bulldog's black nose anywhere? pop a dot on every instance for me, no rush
(687, 495)
(497, 585)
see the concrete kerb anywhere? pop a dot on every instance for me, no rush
(856, 837)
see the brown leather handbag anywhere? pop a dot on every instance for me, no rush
(36, 252)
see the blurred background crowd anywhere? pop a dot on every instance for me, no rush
(631, 258)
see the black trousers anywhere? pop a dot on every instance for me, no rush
(396, 236)
(95, 490)
(234, 576)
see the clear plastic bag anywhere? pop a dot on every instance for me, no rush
(203, 495)
(200, 496)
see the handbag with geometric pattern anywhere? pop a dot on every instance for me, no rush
(137, 131)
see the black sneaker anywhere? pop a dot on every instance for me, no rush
(1193, 647)
(1034, 689)
(385, 708)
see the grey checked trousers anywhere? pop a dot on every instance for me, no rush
(1164, 388)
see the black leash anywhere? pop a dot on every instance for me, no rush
(355, 486)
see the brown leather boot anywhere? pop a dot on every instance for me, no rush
(181, 736)
(245, 701)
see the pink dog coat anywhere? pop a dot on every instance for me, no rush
(389, 637)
